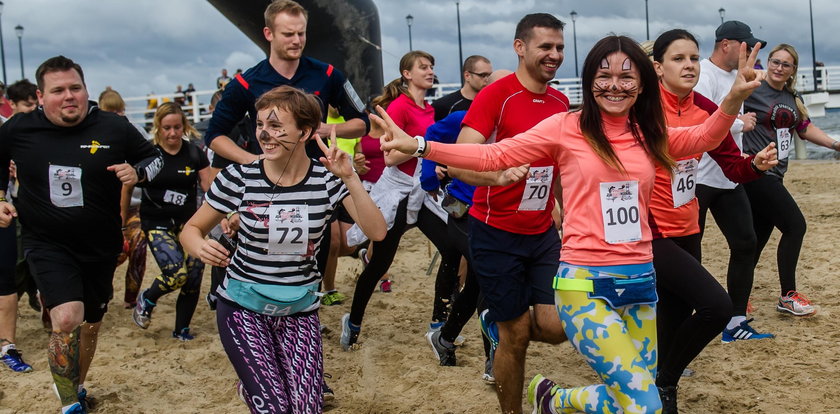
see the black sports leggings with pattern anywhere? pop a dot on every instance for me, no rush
(178, 271)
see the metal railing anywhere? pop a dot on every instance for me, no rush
(141, 109)
(828, 79)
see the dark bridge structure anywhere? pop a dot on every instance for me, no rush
(344, 33)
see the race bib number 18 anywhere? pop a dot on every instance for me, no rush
(783, 142)
(66, 186)
(620, 211)
(288, 231)
(537, 189)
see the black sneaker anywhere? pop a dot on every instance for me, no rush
(668, 395)
(443, 353)
(329, 395)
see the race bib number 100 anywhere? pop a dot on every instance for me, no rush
(620, 210)
(288, 231)
(66, 186)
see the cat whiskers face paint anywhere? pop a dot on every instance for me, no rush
(272, 133)
(616, 85)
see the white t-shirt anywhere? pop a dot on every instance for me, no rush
(714, 83)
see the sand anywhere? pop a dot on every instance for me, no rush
(146, 371)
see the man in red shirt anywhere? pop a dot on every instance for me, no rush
(514, 243)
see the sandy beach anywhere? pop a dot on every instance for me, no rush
(394, 371)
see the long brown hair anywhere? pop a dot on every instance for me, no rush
(790, 85)
(646, 119)
(399, 86)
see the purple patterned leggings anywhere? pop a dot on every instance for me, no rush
(278, 360)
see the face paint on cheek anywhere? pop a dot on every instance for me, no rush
(266, 137)
(601, 87)
(629, 87)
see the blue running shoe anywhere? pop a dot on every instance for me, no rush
(743, 332)
(14, 360)
(349, 334)
(77, 408)
(540, 391)
(142, 314)
(184, 335)
(489, 328)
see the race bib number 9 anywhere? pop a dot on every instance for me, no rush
(288, 231)
(684, 182)
(783, 142)
(174, 197)
(537, 189)
(620, 211)
(66, 186)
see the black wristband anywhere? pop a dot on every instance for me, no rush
(755, 167)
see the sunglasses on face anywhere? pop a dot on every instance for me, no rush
(482, 75)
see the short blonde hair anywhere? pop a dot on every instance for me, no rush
(276, 7)
(111, 101)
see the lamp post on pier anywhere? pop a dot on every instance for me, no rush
(409, 19)
(19, 33)
(722, 13)
(573, 15)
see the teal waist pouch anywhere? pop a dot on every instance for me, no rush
(272, 300)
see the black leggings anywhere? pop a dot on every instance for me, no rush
(383, 255)
(693, 307)
(731, 210)
(470, 298)
(773, 206)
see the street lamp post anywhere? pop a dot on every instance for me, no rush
(460, 50)
(2, 49)
(409, 20)
(647, 21)
(813, 46)
(19, 33)
(722, 13)
(573, 15)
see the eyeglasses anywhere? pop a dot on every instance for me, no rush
(483, 75)
(784, 65)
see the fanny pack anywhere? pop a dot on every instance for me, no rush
(456, 208)
(639, 289)
(272, 300)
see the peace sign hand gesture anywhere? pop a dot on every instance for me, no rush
(393, 138)
(336, 160)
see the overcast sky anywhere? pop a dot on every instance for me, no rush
(153, 45)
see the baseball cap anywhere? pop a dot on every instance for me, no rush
(740, 31)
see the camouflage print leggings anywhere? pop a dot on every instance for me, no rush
(178, 271)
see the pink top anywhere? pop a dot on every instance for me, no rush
(589, 185)
(413, 120)
(373, 155)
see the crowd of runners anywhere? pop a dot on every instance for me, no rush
(553, 224)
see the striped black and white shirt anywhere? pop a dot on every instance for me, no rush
(261, 205)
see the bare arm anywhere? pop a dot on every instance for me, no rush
(505, 177)
(125, 202)
(817, 136)
(192, 237)
(205, 178)
(353, 128)
(225, 147)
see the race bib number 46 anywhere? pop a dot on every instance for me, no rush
(783, 142)
(537, 189)
(620, 211)
(684, 182)
(288, 231)
(66, 186)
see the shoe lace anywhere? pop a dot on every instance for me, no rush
(798, 298)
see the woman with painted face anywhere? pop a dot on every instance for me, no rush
(693, 307)
(403, 202)
(166, 203)
(267, 303)
(606, 154)
(779, 113)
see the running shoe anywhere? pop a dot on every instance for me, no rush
(743, 332)
(184, 335)
(76, 408)
(489, 328)
(488, 376)
(327, 392)
(668, 395)
(87, 402)
(349, 336)
(143, 311)
(540, 391)
(459, 340)
(385, 286)
(211, 301)
(444, 354)
(14, 360)
(795, 303)
(333, 298)
(363, 257)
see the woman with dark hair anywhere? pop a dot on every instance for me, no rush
(267, 309)
(693, 307)
(402, 201)
(606, 154)
(167, 202)
(779, 112)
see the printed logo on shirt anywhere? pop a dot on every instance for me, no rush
(783, 116)
(94, 146)
(539, 101)
(293, 215)
(186, 171)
